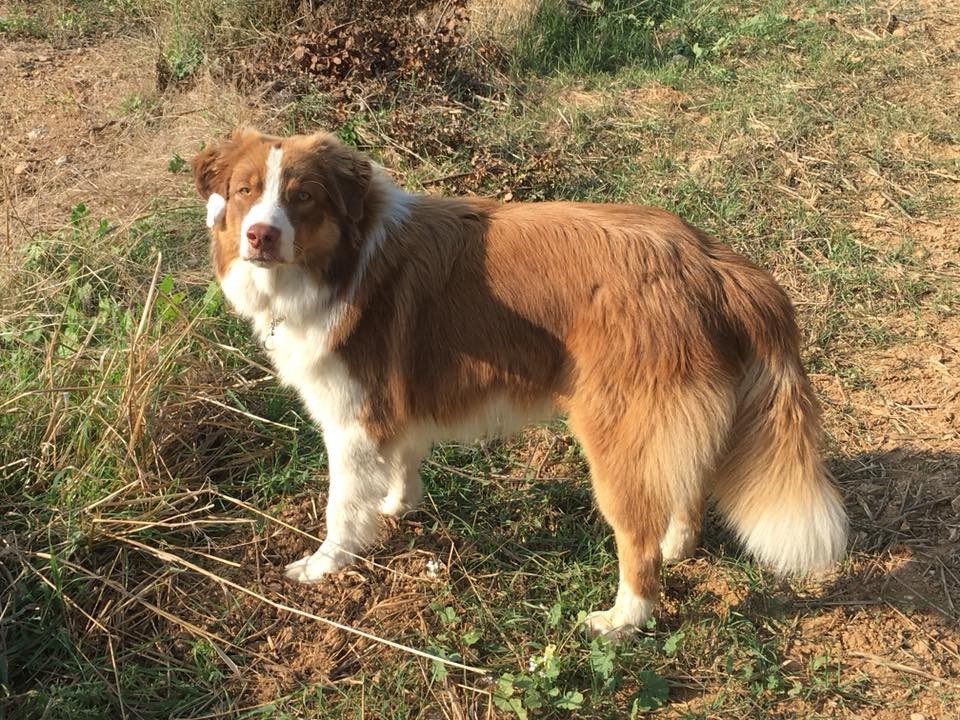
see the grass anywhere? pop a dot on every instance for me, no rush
(146, 454)
(601, 37)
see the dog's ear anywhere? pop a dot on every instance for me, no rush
(211, 170)
(348, 174)
(211, 166)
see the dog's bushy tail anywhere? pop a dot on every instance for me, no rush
(773, 487)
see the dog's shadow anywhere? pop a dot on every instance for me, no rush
(904, 549)
(887, 616)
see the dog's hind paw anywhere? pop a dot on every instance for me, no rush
(678, 543)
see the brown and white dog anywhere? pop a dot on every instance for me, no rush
(403, 320)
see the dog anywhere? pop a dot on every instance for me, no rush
(406, 319)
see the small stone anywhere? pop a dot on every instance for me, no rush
(62, 160)
(918, 716)
(20, 169)
(36, 133)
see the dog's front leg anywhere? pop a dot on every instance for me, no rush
(359, 479)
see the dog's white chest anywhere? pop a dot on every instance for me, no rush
(302, 360)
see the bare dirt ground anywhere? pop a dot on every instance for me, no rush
(87, 123)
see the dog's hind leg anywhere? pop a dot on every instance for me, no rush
(638, 518)
(406, 490)
(648, 463)
(683, 529)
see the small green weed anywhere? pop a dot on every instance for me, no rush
(140, 105)
(183, 57)
(176, 164)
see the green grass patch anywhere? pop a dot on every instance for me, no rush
(18, 25)
(594, 37)
(114, 377)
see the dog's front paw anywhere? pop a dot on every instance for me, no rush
(607, 624)
(312, 568)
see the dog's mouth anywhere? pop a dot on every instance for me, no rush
(263, 259)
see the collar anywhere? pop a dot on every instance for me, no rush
(268, 343)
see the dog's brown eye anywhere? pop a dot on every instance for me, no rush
(243, 191)
(304, 196)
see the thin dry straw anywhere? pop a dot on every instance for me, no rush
(186, 624)
(148, 305)
(169, 557)
(246, 414)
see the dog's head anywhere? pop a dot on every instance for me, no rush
(282, 201)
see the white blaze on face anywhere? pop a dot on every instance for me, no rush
(269, 210)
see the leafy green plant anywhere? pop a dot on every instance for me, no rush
(183, 56)
(536, 689)
(176, 164)
(653, 693)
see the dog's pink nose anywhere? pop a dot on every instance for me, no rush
(262, 236)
